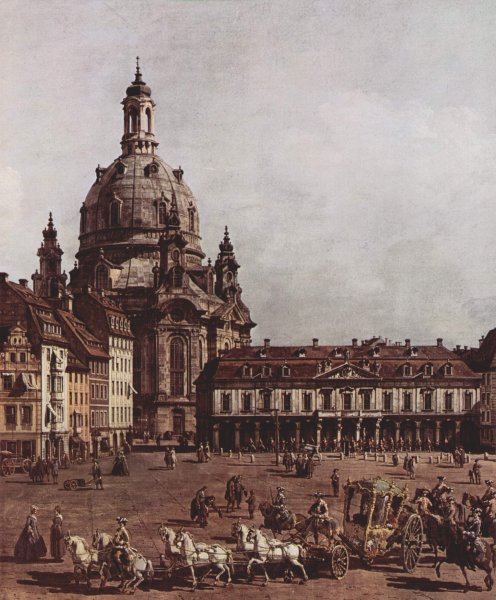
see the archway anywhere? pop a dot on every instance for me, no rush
(469, 436)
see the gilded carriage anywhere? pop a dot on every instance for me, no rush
(377, 518)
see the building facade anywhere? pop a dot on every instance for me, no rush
(140, 245)
(79, 407)
(375, 390)
(20, 395)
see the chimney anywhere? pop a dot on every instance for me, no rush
(407, 343)
(480, 341)
(315, 342)
(458, 347)
(439, 342)
(354, 342)
(465, 347)
(266, 343)
(23, 282)
(4, 277)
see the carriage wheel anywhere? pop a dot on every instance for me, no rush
(26, 465)
(339, 561)
(5, 467)
(67, 485)
(73, 485)
(411, 545)
(12, 468)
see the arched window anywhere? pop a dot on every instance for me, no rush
(210, 283)
(115, 214)
(191, 214)
(177, 367)
(177, 277)
(148, 120)
(133, 120)
(101, 277)
(162, 211)
(84, 220)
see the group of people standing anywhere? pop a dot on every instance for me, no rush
(203, 453)
(44, 469)
(170, 458)
(31, 546)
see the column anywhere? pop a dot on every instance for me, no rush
(397, 429)
(357, 430)
(417, 430)
(257, 433)
(457, 432)
(237, 441)
(437, 432)
(318, 436)
(339, 431)
(216, 437)
(377, 430)
(298, 434)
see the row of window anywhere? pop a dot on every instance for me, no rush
(99, 418)
(119, 342)
(121, 414)
(347, 400)
(406, 370)
(99, 367)
(76, 420)
(51, 328)
(17, 357)
(79, 398)
(76, 377)
(25, 414)
(120, 388)
(121, 364)
(99, 391)
(55, 383)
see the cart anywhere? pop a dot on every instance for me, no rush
(10, 463)
(75, 484)
(377, 518)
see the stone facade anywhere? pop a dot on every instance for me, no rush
(376, 390)
(140, 246)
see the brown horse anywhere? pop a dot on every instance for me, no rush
(272, 522)
(458, 553)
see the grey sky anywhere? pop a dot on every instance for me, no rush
(349, 146)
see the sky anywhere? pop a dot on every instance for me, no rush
(349, 146)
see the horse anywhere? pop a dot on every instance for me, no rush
(271, 522)
(214, 556)
(138, 569)
(274, 551)
(101, 541)
(240, 531)
(457, 553)
(172, 553)
(315, 525)
(83, 557)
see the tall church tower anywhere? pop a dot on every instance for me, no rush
(49, 281)
(140, 246)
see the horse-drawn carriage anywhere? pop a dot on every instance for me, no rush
(377, 518)
(10, 463)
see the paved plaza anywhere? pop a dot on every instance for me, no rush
(152, 494)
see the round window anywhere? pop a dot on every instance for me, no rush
(177, 314)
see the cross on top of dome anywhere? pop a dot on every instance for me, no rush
(138, 87)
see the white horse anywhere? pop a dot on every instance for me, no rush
(137, 570)
(83, 557)
(101, 541)
(172, 552)
(274, 551)
(214, 556)
(240, 531)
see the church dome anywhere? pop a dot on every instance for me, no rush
(127, 207)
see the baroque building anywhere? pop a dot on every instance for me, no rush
(375, 390)
(140, 246)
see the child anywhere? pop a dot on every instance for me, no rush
(335, 482)
(252, 504)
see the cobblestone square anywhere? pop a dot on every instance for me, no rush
(152, 494)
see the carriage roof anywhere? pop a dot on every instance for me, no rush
(377, 486)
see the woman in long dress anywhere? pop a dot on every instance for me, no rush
(57, 546)
(30, 545)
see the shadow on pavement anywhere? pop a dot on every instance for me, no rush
(422, 584)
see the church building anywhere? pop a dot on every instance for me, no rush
(140, 246)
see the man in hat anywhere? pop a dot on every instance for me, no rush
(96, 473)
(335, 482)
(439, 490)
(489, 492)
(472, 533)
(122, 544)
(424, 504)
(281, 512)
(319, 508)
(450, 511)
(476, 469)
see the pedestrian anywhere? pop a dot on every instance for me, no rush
(158, 441)
(57, 546)
(470, 476)
(167, 458)
(30, 546)
(335, 482)
(172, 459)
(96, 473)
(477, 471)
(55, 470)
(252, 504)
